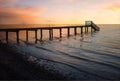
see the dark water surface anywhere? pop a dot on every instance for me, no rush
(93, 56)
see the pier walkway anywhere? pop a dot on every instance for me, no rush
(17, 30)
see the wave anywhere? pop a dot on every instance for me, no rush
(92, 55)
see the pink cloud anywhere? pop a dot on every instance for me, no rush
(63, 1)
(4, 2)
(113, 7)
(22, 10)
(20, 14)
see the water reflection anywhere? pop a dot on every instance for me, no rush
(94, 55)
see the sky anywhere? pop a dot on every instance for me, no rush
(59, 11)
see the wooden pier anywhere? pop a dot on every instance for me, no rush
(50, 29)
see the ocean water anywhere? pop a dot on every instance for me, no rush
(91, 56)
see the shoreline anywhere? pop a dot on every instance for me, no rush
(15, 66)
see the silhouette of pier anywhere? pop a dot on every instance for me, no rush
(17, 30)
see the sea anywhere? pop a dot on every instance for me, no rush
(93, 55)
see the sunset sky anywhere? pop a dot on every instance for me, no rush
(59, 11)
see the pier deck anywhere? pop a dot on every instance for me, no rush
(17, 30)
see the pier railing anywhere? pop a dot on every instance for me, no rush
(93, 25)
(83, 28)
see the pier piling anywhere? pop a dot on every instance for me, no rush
(60, 30)
(75, 31)
(88, 24)
(17, 35)
(68, 31)
(87, 29)
(7, 36)
(50, 34)
(41, 34)
(35, 36)
(27, 35)
(81, 30)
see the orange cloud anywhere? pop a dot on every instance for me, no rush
(4, 2)
(22, 10)
(113, 7)
(20, 15)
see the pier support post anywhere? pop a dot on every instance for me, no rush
(27, 35)
(50, 34)
(17, 35)
(81, 30)
(7, 36)
(41, 33)
(60, 30)
(87, 29)
(91, 30)
(35, 36)
(84, 29)
(75, 31)
(68, 31)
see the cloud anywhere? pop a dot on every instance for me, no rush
(62, 1)
(113, 6)
(7, 2)
(20, 14)
(28, 10)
